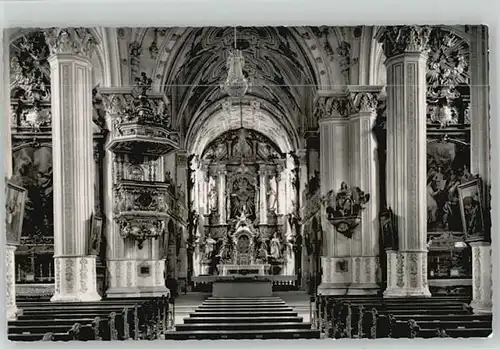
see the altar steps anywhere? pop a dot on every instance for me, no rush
(240, 319)
(243, 318)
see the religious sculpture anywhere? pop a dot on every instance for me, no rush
(344, 210)
(242, 197)
(275, 247)
(209, 247)
(212, 194)
(272, 194)
(262, 255)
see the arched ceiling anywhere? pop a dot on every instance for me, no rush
(217, 120)
(275, 62)
(285, 65)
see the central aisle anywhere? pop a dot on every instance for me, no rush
(243, 318)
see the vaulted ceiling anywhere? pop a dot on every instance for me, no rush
(285, 65)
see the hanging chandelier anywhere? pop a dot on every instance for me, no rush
(236, 85)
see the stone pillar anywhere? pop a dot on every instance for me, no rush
(5, 132)
(72, 144)
(364, 174)
(222, 195)
(334, 169)
(480, 164)
(404, 48)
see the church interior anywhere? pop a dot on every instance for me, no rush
(248, 182)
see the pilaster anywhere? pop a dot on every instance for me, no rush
(404, 47)
(482, 287)
(72, 144)
(480, 103)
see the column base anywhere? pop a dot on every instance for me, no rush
(13, 312)
(10, 282)
(481, 308)
(130, 278)
(407, 274)
(348, 289)
(75, 279)
(482, 282)
(137, 292)
(349, 276)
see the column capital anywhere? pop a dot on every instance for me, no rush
(71, 41)
(330, 107)
(364, 99)
(400, 39)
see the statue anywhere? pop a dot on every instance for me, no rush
(242, 219)
(271, 195)
(275, 246)
(209, 246)
(263, 253)
(212, 194)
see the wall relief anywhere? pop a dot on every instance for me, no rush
(344, 208)
(448, 77)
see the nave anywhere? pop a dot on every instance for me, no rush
(344, 166)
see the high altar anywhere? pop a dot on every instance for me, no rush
(245, 190)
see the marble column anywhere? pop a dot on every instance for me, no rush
(10, 266)
(263, 196)
(480, 163)
(364, 174)
(404, 48)
(72, 147)
(334, 169)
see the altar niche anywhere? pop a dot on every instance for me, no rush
(244, 195)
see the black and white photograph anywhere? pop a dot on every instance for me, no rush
(248, 182)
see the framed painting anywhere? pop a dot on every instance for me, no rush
(471, 208)
(387, 223)
(15, 199)
(95, 235)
